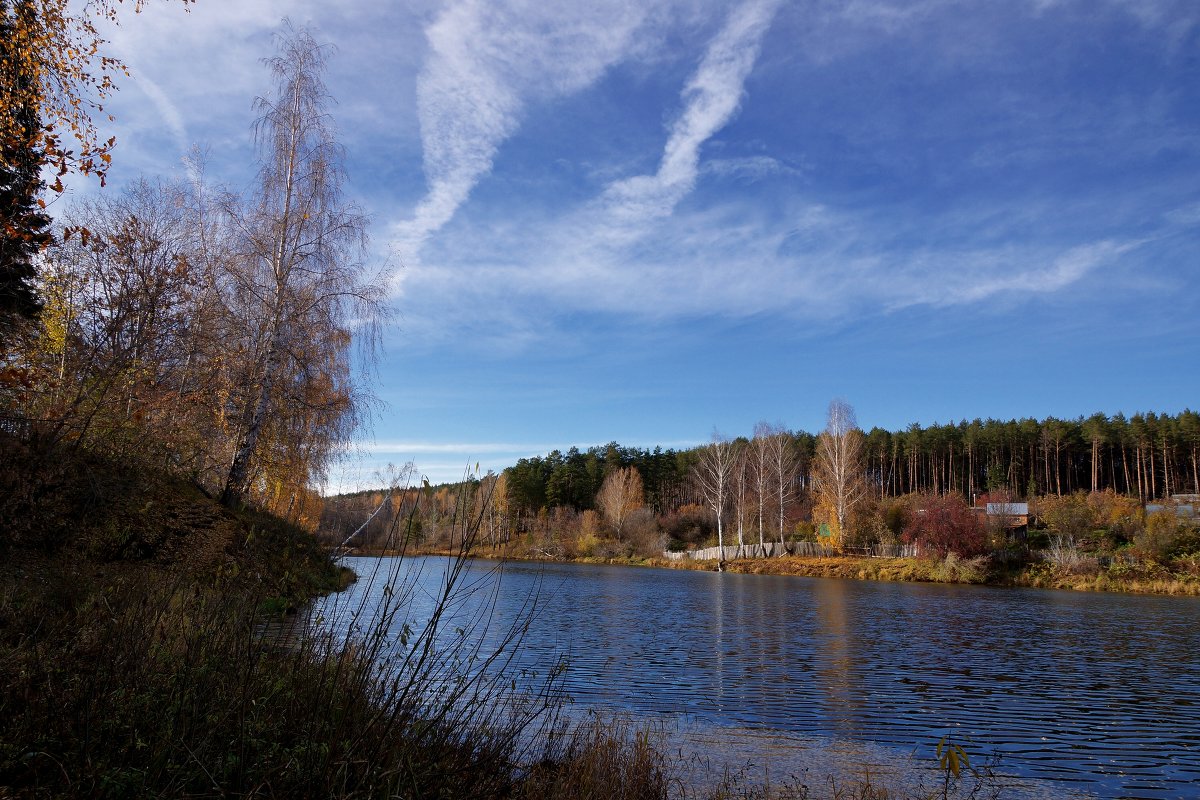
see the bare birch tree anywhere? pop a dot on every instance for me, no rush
(783, 464)
(839, 466)
(619, 496)
(713, 475)
(299, 284)
(761, 476)
(741, 480)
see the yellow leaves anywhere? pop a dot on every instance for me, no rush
(58, 313)
(825, 512)
(952, 757)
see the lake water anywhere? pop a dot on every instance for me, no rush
(1079, 694)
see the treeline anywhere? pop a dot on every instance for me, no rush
(1145, 455)
(560, 491)
(204, 332)
(573, 479)
(761, 497)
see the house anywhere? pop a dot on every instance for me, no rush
(1184, 506)
(1008, 516)
(1011, 515)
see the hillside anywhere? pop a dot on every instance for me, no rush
(134, 663)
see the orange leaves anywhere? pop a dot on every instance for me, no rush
(52, 60)
(18, 377)
(83, 233)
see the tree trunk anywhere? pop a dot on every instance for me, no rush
(1138, 469)
(235, 483)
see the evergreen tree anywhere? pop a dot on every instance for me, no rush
(24, 227)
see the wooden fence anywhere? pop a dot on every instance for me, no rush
(811, 549)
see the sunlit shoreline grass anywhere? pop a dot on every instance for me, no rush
(1151, 579)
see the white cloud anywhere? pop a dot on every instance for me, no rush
(711, 97)
(168, 110)
(812, 263)
(750, 169)
(583, 258)
(466, 448)
(196, 70)
(981, 274)
(1187, 216)
(487, 62)
(636, 248)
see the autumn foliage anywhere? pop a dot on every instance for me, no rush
(944, 524)
(208, 334)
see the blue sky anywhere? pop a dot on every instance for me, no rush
(640, 221)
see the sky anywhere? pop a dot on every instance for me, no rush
(648, 221)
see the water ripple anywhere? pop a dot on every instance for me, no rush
(1091, 692)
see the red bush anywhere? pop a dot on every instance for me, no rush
(943, 524)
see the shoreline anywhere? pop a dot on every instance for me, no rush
(1152, 580)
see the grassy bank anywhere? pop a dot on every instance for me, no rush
(1147, 578)
(133, 664)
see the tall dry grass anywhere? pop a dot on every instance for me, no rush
(121, 677)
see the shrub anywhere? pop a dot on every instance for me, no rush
(1166, 536)
(1070, 516)
(896, 516)
(804, 532)
(953, 569)
(643, 534)
(691, 523)
(1118, 514)
(1063, 553)
(945, 524)
(586, 544)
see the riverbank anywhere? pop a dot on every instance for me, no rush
(1151, 579)
(133, 662)
(1143, 579)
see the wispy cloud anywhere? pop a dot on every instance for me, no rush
(728, 219)
(781, 243)
(711, 97)
(487, 62)
(810, 263)
(465, 448)
(750, 169)
(583, 257)
(981, 275)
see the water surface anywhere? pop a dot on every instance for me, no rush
(1081, 692)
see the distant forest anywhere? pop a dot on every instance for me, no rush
(1146, 456)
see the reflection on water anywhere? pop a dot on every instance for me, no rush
(1091, 692)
